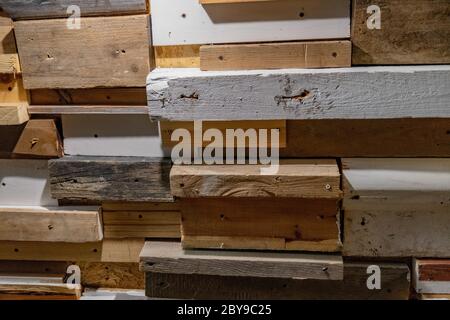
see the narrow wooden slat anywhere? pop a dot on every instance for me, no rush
(431, 276)
(143, 231)
(295, 178)
(35, 9)
(315, 54)
(168, 257)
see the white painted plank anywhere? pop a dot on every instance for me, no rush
(111, 135)
(24, 183)
(344, 93)
(178, 22)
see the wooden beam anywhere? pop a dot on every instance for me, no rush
(395, 285)
(57, 224)
(13, 101)
(110, 178)
(295, 178)
(264, 224)
(111, 52)
(24, 182)
(431, 276)
(407, 137)
(314, 54)
(108, 250)
(393, 206)
(35, 139)
(345, 93)
(194, 23)
(411, 32)
(168, 257)
(35, 9)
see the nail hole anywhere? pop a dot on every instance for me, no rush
(95, 250)
(123, 51)
(181, 185)
(301, 14)
(140, 216)
(95, 135)
(9, 88)
(108, 98)
(334, 54)
(16, 250)
(221, 58)
(3, 184)
(183, 15)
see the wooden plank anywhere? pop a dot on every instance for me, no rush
(393, 206)
(124, 275)
(13, 101)
(25, 183)
(168, 127)
(407, 137)
(111, 135)
(108, 250)
(161, 231)
(267, 224)
(113, 294)
(169, 257)
(22, 285)
(432, 296)
(35, 139)
(9, 59)
(192, 23)
(314, 54)
(182, 56)
(36, 9)
(139, 206)
(143, 218)
(111, 52)
(89, 110)
(110, 178)
(33, 267)
(431, 276)
(395, 285)
(57, 224)
(296, 178)
(96, 96)
(344, 93)
(411, 32)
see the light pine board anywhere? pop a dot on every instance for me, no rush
(25, 183)
(343, 93)
(183, 22)
(50, 224)
(311, 54)
(108, 250)
(168, 257)
(295, 178)
(13, 101)
(36, 9)
(110, 52)
(396, 207)
(111, 135)
(9, 59)
(412, 32)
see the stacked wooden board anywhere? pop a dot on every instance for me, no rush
(357, 92)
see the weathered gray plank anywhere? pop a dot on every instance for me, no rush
(36, 9)
(346, 93)
(110, 178)
(395, 285)
(169, 257)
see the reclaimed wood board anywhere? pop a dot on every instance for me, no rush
(182, 56)
(51, 224)
(395, 285)
(110, 52)
(296, 178)
(431, 276)
(13, 101)
(409, 32)
(396, 207)
(123, 275)
(110, 178)
(9, 59)
(295, 94)
(424, 137)
(24, 182)
(284, 55)
(185, 22)
(111, 135)
(260, 224)
(169, 257)
(37, 9)
(38, 138)
(108, 250)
